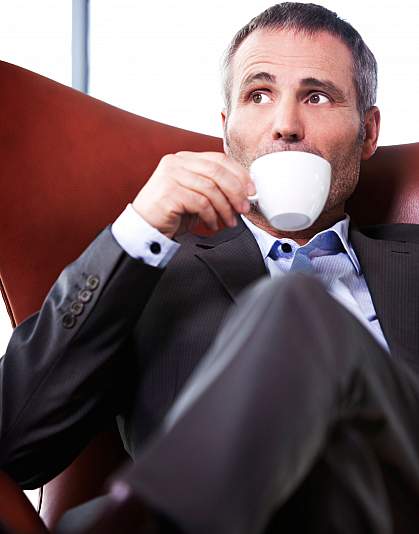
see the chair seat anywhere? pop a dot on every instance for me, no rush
(16, 512)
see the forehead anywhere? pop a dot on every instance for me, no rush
(293, 55)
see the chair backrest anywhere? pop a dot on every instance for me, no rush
(69, 165)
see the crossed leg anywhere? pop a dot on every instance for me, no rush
(295, 408)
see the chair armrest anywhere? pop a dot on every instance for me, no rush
(16, 512)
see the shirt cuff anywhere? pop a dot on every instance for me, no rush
(141, 240)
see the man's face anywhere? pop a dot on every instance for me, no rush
(293, 92)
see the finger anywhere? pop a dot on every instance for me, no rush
(209, 189)
(194, 203)
(235, 167)
(242, 173)
(227, 181)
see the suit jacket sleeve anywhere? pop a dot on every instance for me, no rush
(60, 376)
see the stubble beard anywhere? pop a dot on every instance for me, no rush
(345, 163)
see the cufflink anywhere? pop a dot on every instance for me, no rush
(155, 247)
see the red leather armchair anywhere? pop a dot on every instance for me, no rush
(69, 165)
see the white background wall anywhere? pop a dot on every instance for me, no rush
(161, 59)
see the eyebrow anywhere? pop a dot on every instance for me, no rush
(314, 83)
(256, 77)
(325, 85)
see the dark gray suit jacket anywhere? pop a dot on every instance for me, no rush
(137, 340)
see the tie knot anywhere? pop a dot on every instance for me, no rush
(300, 263)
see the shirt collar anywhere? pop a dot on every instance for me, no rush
(320, 242)
(341, 229)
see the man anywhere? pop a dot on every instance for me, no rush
(302, 409)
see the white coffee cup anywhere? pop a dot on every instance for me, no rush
(291, 188)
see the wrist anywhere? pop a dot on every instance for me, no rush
(149, 216)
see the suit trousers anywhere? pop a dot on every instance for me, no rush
(296, 420)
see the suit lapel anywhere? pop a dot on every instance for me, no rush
(391, 271)
(390, 267)
(234, 257)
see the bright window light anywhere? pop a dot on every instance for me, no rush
(37, 36)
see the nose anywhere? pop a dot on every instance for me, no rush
(288, 123)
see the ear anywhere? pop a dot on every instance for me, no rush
(372, 129)
(224, 124)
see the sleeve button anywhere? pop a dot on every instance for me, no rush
(155, 247)
(85, 295)
(77, 308)
(92, 282)
(68, 320)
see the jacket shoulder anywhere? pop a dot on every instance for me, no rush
(392, 232)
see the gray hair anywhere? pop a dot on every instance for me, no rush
(311, 19)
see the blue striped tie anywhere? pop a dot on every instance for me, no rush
(301, 263)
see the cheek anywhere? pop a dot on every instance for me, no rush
(240, 124)
(246, 129)
(335, 148)
(333, 129)
(236, 135)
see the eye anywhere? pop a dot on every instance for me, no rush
(318, 98)
(259, 98)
